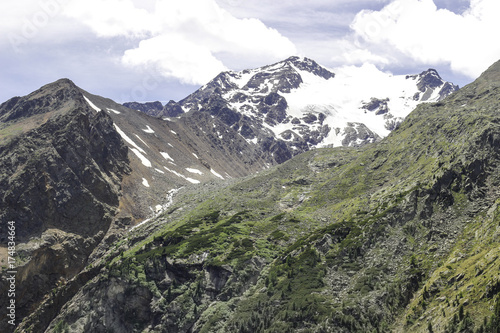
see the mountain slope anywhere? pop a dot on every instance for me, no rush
(400, 235)
(60, 184)
(167, 155)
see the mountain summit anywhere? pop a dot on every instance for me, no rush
(302, 105)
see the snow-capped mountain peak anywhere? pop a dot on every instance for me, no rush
(303, 105)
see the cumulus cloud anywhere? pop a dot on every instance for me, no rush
(111, 18)
(34, 22)
(419, 31)
(190, 40)
(173, 56)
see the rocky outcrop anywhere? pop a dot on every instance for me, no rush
(430, 83)
(149, 295)
(357, 134)
(64, 175)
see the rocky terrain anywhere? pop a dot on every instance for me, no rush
(400, 235)
(151, 108)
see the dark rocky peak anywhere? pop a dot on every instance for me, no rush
(285, 75)
(150, 108)
(311, 66)
(172, 109)
(61, 94)
(221, 83)
(300, 63)
(428, 82)
(283, 80)
(429, 79)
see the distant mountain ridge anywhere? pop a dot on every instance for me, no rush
(151, 108)
(303, 105)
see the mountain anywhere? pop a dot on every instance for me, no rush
(303, 105)
(400, 235)
(166, 155)
(62, 168)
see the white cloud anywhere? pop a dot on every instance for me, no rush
(110, 18)
(173, 56)
(35, 22)
(417, 30)
(190, 40)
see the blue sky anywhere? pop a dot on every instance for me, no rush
(164, 49)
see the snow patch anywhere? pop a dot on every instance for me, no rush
(148, 130)
(254, 140)
(195, 155)
(158, 170)
(114, 111)
(145, 182)
(127, 139)
(141, 140)
(92, 105)
(143, 159)
(191, 180)
(174, 172)
(167, 156)
(194, 171)
(216, 174)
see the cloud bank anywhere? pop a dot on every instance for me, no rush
(416, 30)
(189, 40)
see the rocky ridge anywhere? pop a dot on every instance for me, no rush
(60, 183)
(151, 108)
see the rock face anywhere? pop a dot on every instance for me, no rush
(301, 105)
(60, 184)
(431, 86)
(400, 235)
